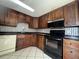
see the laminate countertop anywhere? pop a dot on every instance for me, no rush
(16, 33)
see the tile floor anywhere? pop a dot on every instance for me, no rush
(27, 53)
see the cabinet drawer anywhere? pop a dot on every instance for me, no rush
(69, 53)
(71, 43)
(67, 42)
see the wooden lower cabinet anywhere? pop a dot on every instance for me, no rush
(69, 53)
(70, 49)
(25, 40)
(71, 43)
(34, 40)
(41, 42)
(19, 44)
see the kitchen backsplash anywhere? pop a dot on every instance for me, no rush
(72, 31)
(21, 27)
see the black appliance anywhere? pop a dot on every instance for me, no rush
(56, 24)
(57, 33)
(54, 44)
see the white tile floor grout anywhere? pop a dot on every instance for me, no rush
(27, 53)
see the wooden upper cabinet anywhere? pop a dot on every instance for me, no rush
(21, 18)
(56, 14)
(43, 21)
(71, 14)
(11, 18)
(51, 16)
(8, 17)
(28, 19)
(34, 22)
(3, 13)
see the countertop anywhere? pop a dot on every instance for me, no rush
(71, 37)
(16, 33)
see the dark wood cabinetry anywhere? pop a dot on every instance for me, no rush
(8, 17)
(21, 18)
(19, 41)
(39, 22)
(34, 23)
(70, 49)
(34, 39)
(70, 53)
(50, 15)
(3, 12)
(56, 14)
(71, 14)
(25, 40)
(43, 21)
(28, 19)
(11, 18)
(41, 42)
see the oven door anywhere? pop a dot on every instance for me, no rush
(52, 49)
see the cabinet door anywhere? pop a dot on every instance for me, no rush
(28, 41)
(11, 18)
(34, 39)
(70, 14)
(41, 42)
(35, 22)
(19, 44)
(21, 18)
(51, 16)
(28, 19)
(71, 43)
(69, 53)
(3, 13)
(20, 41)
(58, 13)
(31, 23)
(43, 21)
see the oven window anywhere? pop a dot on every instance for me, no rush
(52, 44)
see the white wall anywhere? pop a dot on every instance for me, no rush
(21, 27)
(7, 44)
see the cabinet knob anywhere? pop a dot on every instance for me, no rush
(70, 43)
(70, 51)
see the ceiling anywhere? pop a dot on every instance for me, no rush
(40, 6)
